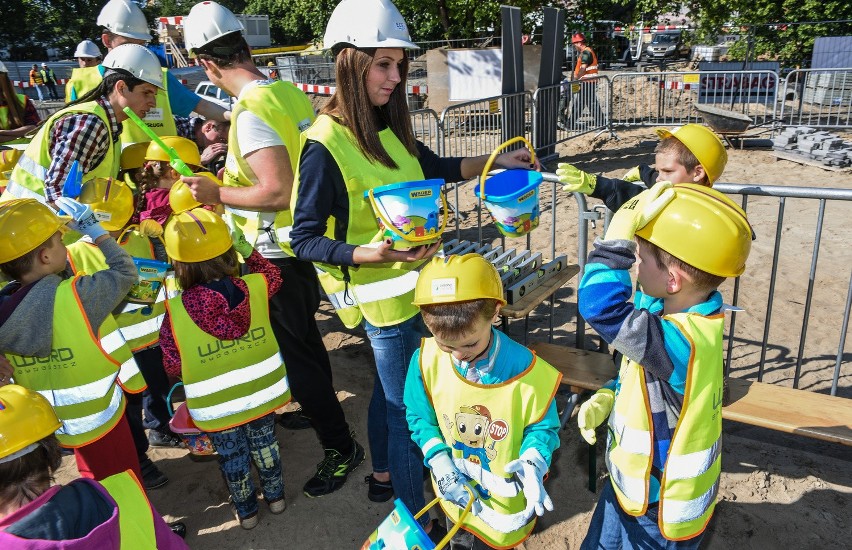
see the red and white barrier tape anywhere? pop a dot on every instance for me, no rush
(328, 90)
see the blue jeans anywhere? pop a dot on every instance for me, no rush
(391, 447)
(255, 440)
(611, 527)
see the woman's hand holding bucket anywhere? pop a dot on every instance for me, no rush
(519, 158)
(385, 253)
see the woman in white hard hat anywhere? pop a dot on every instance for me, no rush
(87, 130)
(361, 140)
(83, 514)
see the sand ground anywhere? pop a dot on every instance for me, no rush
(777, 490)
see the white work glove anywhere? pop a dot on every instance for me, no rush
(84, 219)
(575, 180)
(530, 468)
(452, 485)
(594, 412)
(637, 212)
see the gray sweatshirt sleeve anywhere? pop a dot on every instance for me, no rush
(101, 292)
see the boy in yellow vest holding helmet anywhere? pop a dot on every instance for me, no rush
(59, 334)
(480, 405)
(217, 336)
(691, 153)
(664, 409)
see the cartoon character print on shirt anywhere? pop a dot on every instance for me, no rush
(474, 427)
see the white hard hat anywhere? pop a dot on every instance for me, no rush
(3, 68)
(206, 22)
(367, 24)
(124, 18)
(136, 60)
(87, 48)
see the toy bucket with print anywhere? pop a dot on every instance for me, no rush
(198, 442)
(401, 530)
(511, 196)
(151, 274)
(409, 212)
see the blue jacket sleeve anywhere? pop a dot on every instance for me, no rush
(543, 436)
(420, 414)
(181, 99)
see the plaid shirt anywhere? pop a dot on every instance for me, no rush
(187, 126)
(82, 137)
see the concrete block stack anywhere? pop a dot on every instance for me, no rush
(820, 146)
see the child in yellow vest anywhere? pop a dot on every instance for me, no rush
(480, 405)
(216, 335)
(112, 202)
(664, 410)
(59, 334)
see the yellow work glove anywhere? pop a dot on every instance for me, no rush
(638, 211)
(150, 228)
(632, 174)
(594, 412)
(575, 180)
(241, 245)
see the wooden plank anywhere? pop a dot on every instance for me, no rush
(585, 369)
(810, 162)
(788, 410)
(525, 305)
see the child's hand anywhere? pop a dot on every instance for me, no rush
(638, 211)
(575, 180)
(530, 468)
(240, 243)
(151, 228)
(594, 412)
(451, 483)
(84, 219)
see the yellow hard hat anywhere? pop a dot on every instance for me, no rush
(704, 144)
(133, 156)
(26, 418)
(703, 228)
(196, 236)
(181, 199)
(26, 224)
(186, 149)
(111, 201)
(457, 279)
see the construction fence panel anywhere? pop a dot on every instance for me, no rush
(567, 110)
(425, 124)
(817, 97)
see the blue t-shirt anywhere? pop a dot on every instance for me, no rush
(182, 99)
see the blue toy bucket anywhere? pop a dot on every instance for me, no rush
(511, 196)
(408, 212)
(151, 274)
(401, 530)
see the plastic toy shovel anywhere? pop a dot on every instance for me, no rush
(73, 183)
(175, 162)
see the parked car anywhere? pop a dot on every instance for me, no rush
(666, 45)
(213, 93)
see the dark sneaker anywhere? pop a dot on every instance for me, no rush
(333, 471)
(157, 438)
(178, 528)
(294, 420)
(378, 491)
(152, 477)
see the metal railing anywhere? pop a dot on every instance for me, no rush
(817, 97)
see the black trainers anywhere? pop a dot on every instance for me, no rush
(333, 471)
(157, 438)
(178, 528)
(295, 420)
(378, 491)
(152, 477)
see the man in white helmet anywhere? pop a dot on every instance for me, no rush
(123, 22)
(87, 54)
(87, 131)
(88, 57)
(263, 148)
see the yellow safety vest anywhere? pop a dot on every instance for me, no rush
(502, 412)
(27, 180)
(5, 121)
(79, 378)
(135, 519)
(380, 293)
(139, 323)
(82, 81)
(691, 472)
(288, 111)
(231, 382)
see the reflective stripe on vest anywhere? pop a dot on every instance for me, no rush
(95, 420)
(28, 176)
(690, 477)
(288, 111)
(231, 382)
(135, 516)
(506, 518)
(381, 302)
(81, 393)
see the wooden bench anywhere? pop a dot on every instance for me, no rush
(780, 408)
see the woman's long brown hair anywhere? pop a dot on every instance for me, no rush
(351, 105)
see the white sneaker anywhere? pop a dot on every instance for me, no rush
(250, 522)
(278, 506)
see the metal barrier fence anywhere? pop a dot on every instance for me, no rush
(477, 127)
(817, 97)
(570, 109)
